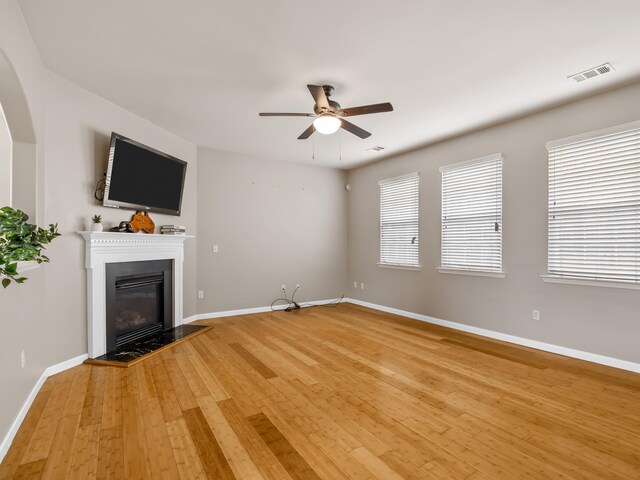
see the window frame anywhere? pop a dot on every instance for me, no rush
(465, 269)
(393, 265)
(550, 277)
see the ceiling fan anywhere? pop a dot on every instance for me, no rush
(330, 116)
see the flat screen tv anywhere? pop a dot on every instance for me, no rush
(142, 178)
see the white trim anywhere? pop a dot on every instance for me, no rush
(475, 273)
(190, 319)
(400, 266)
(52, 370)
(399, 178)
(466, 163)
(589, 135)
(66, 365)
(248, 311)
(547, 347)
(590, 283)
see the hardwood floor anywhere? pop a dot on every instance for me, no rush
(334, 393)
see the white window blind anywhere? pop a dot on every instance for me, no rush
(472, 215)
(399, 221)
(594, 205)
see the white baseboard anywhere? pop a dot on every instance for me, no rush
(248, 311)
(190, 319)
(49, 371)
(66, 365)
(547, 347)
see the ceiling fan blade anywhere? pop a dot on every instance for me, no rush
(307, 133)
(270, 114)
(317, 92)
(366, 109)
(350, 127)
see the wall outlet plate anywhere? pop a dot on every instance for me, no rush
(355, 284)
(536, 314)
(200, 294)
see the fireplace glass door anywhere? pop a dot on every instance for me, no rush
(139, 300)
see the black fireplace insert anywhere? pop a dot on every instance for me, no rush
(139, 300)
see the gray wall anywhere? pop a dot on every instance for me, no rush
(595, 319)
(274, 223)
(76, 146)
(24, 174)
(46, 316)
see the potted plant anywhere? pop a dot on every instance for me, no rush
(96, 225)
(21, 242)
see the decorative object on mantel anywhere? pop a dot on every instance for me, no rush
(141, 221)
(96, 223)
(21, 242)
(124, 227)
(173, 229)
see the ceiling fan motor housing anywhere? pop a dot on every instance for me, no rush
(328, 90)
(334, 106)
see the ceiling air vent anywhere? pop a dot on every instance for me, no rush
(592, 72)
(377, 148)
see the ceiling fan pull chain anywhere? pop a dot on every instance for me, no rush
(340, 142)
(313, 151)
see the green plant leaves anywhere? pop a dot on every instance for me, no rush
(21, 242)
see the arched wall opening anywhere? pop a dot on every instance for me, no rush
(18, 151)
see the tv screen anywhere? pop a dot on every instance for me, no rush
(142, 178)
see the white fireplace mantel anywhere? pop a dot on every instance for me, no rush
(112, 247)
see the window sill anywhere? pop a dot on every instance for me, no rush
(474, 273)
(400, 267)
(589, 283)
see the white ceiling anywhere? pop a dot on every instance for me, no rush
(205, 68)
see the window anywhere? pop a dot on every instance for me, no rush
(594, 206)
(472, 215)
(399, 221)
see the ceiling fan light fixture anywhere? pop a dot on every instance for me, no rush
(327, 124)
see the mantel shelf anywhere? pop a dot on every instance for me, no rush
(130, 236)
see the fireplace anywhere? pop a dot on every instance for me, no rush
(129, 252)
(139, 300)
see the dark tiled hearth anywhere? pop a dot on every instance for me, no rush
(134, 351)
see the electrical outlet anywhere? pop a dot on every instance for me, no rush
(23, 358)
(283, 288)
(536, 315)
(355, 284)
(215, 249)
(200, 294)
(361, 286)
(297, 286)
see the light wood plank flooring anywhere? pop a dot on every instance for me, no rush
(334, 393)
